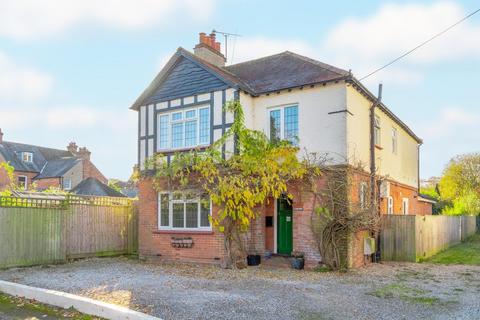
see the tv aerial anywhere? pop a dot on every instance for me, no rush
(226, 35)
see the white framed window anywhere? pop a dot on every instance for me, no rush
(376, 130)
(389, 205)
(27, 157)
(405, 206)
(22, 182)
(177, 211)
(363, 195)
(67, 184)
(394, 140)
(283, 123)
(183, 129)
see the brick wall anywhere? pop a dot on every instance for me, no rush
(90, 171)
(43, 184)
(207, 247)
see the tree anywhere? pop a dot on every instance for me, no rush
(238, 184)
(9, 169)
(460, 184)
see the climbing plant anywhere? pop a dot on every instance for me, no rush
(238, 183)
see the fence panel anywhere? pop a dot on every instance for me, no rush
(41, 232)
(30, 236)
(413, 238)
(397, 241)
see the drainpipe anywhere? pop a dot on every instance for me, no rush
(373, 187)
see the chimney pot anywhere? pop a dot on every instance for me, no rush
(209, 49)
(1, 135)
(72, 147)
(84, 153)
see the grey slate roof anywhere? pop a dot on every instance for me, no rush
(284, 70)
(93, 187)
(47, 162)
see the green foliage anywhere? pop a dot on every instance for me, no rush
(240, 183)
(114, 184)
(460, 185)
(441, 203)
(9, 169)
(467, 203)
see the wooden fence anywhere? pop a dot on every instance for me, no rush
(413, 238)
(39, 232)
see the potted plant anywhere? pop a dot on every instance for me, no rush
(253, 259)
(298, 261)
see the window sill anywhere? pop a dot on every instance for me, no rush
(378, 147)
(199, 232)
(171, 151)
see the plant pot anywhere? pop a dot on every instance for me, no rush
(298, 263)
(253, 259)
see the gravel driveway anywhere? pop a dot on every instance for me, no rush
(380, 291)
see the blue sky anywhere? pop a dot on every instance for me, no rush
(69, 70)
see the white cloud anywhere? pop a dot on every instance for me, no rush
(369, 42)
(22, 83)
(24, 19)
(450, 122)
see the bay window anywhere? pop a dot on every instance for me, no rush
(284, 124)
(179, 211)
(183, 129)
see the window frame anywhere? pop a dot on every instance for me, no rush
(183, 121)
(184, 201)
(390, 205)
(377, 127)
(69, 184)
(405, 204)
(29, 156)
(363, 195)
(25, 185)
(282, 108)
(394, 140)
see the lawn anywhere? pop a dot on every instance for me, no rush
(19, 308)
(467, 253)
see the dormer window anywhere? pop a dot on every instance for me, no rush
(27, 157)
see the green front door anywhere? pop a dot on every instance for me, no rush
(284, 227)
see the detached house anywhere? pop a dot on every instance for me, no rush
(46, 167)
(286, 95)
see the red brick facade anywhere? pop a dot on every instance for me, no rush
(208, 247)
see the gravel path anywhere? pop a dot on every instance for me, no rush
(380, 291)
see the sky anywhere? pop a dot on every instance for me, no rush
(70, 70)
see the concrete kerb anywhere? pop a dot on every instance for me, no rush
(67, 300)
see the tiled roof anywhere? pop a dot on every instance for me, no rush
(93, 187)
(284, 70)
(47, 162)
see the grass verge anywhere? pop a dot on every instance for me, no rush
(467, 253)
(20, 308)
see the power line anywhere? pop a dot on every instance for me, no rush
(422, 44)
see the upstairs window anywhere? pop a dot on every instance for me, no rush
(22, 182)
(376, 131)
(179, 211)
(283, 124)
(27, 157)
(394, 141)
(183, 129)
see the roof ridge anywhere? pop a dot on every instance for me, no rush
(37, 146)
(321, 64)
(257, 59)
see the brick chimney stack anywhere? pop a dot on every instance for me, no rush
(72, 147)
(1, 135)
(84, 153)
(209, 49)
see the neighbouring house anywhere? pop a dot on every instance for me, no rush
(286, 95)
(94, 187)
(44, 168)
